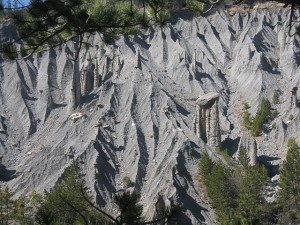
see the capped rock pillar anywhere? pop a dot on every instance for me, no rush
(207, 125)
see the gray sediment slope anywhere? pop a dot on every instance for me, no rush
(140, 121)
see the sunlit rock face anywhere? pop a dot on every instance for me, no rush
(137, 101)
(207, 125)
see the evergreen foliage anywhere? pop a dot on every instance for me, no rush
(130, 210)
(289, 196)
(6, 206)
(22, 211)
(69, 203)
(263, 115)
(250, 201)
(66, 204)
(236, 193)
(44, 24)
(216, 177)
(246, 106)
(224, 153)
(247, 120)
(243, 157)
(127, 182)
(14, 211)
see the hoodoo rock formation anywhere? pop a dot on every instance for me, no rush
(294, 100)
(75, 96)
(87, 77)
(207, 125)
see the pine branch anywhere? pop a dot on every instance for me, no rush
(74, 208)
(95, 207)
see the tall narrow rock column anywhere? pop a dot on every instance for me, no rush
(138, 59)
(87, 77)
(294, 100)
(215, 133)
(96, 74)
(194, 59)
(75, 96)
(200, 123)
(207, 125)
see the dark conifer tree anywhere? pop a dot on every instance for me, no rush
(289, 196)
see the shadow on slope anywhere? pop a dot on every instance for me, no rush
(273, 169)
(6, 174)
(231, 145)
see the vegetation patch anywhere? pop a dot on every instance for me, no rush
(263, 115)
(224, 153)
(289, 195)
(235, 193)
(127, 182)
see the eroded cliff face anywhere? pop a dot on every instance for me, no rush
(137, 107)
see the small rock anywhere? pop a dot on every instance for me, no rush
(76, 116)
(98, 124)
(100, 106)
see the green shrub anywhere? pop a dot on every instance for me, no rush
(262, 116)
(216, 178)
(127, 182)
(289, 194)
(247, 120)
(291, 117)
(246, 106)
(195, 5)
(235, 193)
(224, 153)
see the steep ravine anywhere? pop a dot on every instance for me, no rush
(140, 121)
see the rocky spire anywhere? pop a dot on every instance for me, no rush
(119, 65)
(106, 66)
(194, 58)
(206, 124)
(87, 76)
(97, 81)
(181, 56)
(138, 59)
(75, 96)
(294, 100)
(101, 51)
(2, 126)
